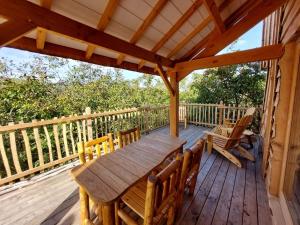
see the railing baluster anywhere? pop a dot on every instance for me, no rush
(48, 142)
(38, 144)
(4, 157)
(56, 138)
(27, 147)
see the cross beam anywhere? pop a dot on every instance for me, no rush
(252, 55)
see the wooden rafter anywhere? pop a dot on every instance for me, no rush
(12, 30)
(241, 11)
(175, 27)
(103, 22)
(164, 77)
(215, 14)
(41, 34)
(218, 42)
(28, 44)
(252, 55)
(55, 22)
(146, 23)
(187, 38)
(198, 47)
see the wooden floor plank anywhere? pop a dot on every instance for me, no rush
(235, 216)
(195, 208)
(212, 200)
(222, 211)
(250, 200)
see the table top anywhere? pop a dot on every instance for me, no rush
(106, 178)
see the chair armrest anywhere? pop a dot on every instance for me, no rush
(216, 135)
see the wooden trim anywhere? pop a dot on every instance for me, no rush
(187, 38)
(103, 22)
(252, 55)
(215, 14)
(66, 52)
(164, 77)
(39, 16)
(12, 30)
(144, 26)
(255, 15)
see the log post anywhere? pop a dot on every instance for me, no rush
(174, 105)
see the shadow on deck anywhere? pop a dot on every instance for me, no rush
(224, 194)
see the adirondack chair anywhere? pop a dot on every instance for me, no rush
(223, 141)
(247, 133)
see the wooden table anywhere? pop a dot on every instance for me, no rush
(108, 177)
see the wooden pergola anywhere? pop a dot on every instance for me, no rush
(166, 38)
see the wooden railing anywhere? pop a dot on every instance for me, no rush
(29, 148)
(209, 115)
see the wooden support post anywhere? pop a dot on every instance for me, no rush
(174, 105)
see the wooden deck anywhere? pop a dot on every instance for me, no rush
(224, 195)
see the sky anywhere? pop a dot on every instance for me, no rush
(251, 39)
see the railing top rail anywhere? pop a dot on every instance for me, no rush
(71, 118)
(68, 119)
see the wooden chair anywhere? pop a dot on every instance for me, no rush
(190, 170)
(223, 142)
(152, 200)
(128, 136)
(87, 151)
(247, 133)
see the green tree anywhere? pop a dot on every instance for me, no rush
(236, 84)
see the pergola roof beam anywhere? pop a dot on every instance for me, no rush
(12, 30)
(41, 17)
(28, 44)
(215, 14)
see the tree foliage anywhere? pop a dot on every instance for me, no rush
(236, 84)
(51, 87)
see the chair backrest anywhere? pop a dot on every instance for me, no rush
(238, 130)
(86, 150)
(162, 191)
(128, 136)
(100, 145)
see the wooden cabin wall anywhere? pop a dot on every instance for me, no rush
(280, 27)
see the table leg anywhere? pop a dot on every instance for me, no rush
(107, 214)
